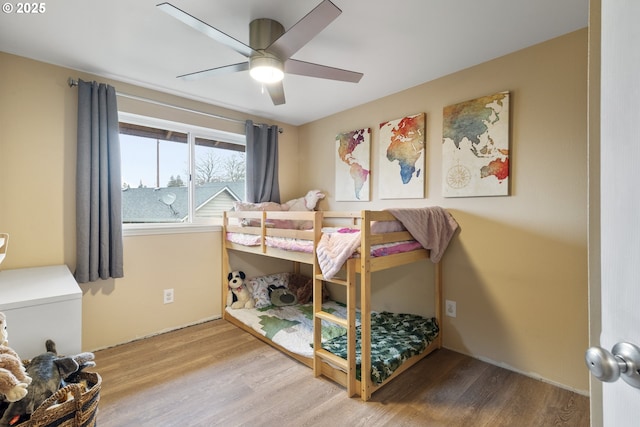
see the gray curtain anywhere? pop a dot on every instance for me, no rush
(262, 163)
(98, 188)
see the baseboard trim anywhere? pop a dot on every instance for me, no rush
(163, 331)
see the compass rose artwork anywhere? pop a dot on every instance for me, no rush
(458, 176)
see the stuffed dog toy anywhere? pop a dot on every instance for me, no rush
(238, 288)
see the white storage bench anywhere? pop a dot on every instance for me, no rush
(42, 303)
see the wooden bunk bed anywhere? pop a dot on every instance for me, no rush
(259, 227)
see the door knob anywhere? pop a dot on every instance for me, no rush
(623, 361)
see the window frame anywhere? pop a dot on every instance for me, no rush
(193, 224)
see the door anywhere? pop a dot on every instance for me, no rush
(620, 197)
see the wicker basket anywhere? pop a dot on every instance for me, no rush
(81, 411)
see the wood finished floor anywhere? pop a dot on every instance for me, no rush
(216, 374)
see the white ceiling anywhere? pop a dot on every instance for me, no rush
(397, 44)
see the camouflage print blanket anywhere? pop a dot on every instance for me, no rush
(394, 339)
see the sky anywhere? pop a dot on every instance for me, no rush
(138, 161)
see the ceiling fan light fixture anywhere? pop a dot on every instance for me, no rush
(266, 69)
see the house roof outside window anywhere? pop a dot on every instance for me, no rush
(171, 204)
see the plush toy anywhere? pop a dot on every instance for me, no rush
(281, 296)
(84, 360)
(4, 334)
(11, 387)
(302, 287)
(306, 203)
(13, 377)
(48, 371)
(238, 288)
(10, 361)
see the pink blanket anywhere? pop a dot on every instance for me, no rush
(334, 249)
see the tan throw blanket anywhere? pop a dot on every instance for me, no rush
(433, 227)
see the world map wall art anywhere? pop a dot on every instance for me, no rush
(475, 152)
(353, 151)
(402, 158)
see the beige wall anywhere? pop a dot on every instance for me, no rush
(518, 268)
(38, 122)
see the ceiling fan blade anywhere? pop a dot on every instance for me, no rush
(276, 92)
(206, 29)
(304, 30)
(242, 66)
(309, 69)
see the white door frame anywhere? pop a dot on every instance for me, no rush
(614, 205)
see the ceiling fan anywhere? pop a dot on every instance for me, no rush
(270, 48)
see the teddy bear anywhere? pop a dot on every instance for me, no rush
(239, 289)
(4, 333)
(11, 387)
(13, 377)
(302, 287)
(10, 361)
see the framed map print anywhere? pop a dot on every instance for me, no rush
(402, 158)
(475, 147)
(353, 151)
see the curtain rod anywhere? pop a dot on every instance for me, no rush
(73, 83)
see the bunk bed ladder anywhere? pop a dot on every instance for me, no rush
(348, 365)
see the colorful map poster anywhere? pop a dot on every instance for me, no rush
(475, 152)
(353, 150)
(402, 158)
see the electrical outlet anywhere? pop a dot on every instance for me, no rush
(450, 308)
(168, 296)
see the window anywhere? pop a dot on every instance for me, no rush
(173, 173)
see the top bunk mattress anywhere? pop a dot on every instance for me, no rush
(306, 246)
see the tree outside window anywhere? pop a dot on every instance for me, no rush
(163, 183)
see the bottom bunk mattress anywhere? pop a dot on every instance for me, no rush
(292, 326)
(394, 337)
